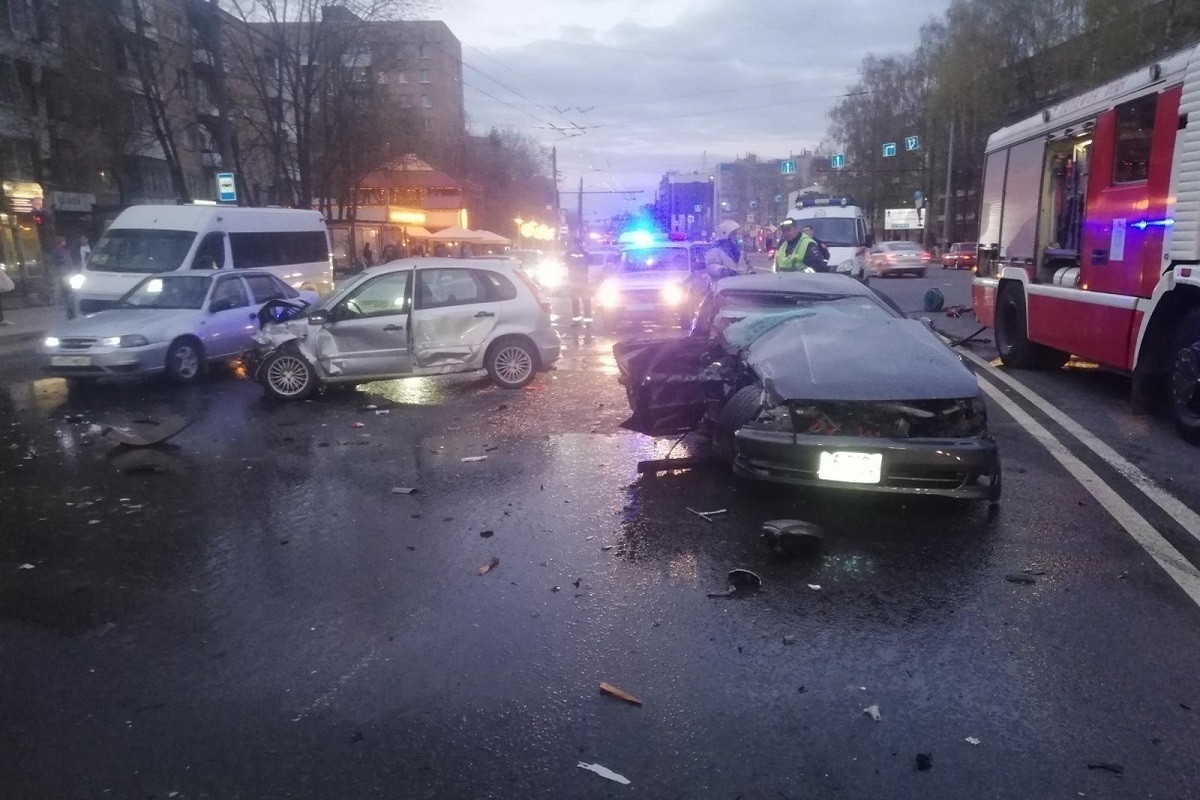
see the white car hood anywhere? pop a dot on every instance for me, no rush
(123, 321)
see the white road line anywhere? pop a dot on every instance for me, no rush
(1167, 557)
(1189, 520)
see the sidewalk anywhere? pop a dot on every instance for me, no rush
(28, 324)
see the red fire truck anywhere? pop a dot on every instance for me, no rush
(1090, 234)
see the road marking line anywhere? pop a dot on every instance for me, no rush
(1142, 532)
(1188, 520)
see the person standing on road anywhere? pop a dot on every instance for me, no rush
(798, 252)
(85, 251)
(368, 256)
(581, 293)
(725, 257)
(58, 264)
(820, 249)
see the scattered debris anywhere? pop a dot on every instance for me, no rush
(739, 580)
(873, 713)
(403, 490)
(789, 639)
(371, 407)
(620, 694)
(492, 563)
(1123, 576)
(957, 311)
(792, 537)
(816, 587)
(801, 690)
(486, 534)
(605, 772)
(146, 432)
(357, 425)
(1116, 769)
(672, 464)
(971, 740)
(1185, 706)
(708, 515)
(924, 762)
(1033, 571)
(472, 459)
(27, 566)
(606, 548)
(555, 589)
(578, 581)
(95, 430)
(1019, 577)
(410, 548)
(491, 448)
(382, 411)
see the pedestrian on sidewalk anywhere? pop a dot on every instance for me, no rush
(6, 286)
(58, 265)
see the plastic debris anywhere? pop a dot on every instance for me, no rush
(383, 411)
(605, 772)
(792, 537)
(816, 587)
(27, 566)
(95, 429)
(146, 432)
(873, 712)
(971, 740)
(372, 407)
(606, 548)
(789, 639)
(486, 534)
(492, 563)
(1116, 769)
(357, 425)
(1020, 577)
(740, 580)
(620, 694)
(923, 763)
(403, 490)
(473, 459)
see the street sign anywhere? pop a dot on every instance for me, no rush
(902, 219)
(912, 143)
(838, 161)
(226, 187)
(889, 150)
(787, 167)
(697, 208)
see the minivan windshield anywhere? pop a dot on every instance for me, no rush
(832, 231)
(141, 250)
(169, 291)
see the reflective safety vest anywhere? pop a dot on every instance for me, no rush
(794, 262)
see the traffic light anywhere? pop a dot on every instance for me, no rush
(39, 217)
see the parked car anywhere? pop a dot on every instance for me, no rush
(962, 255)
(410, 318)
(890, 259)
(173, 323)
(776, 371)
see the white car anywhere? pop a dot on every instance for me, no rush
(173, 323)
(410, 318)
(660, 282)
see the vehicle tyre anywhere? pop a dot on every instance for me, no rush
(287, 375)
(742, 408)
(185, 360)
(1012, 332)
(1184, 384)
(512, 363)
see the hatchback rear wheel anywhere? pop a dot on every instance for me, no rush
(511, 363)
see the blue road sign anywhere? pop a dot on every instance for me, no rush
(226, 187)
(912, 143)
(838, 161)
(889, 150)
(787, 167)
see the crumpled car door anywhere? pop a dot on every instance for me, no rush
(667, 382)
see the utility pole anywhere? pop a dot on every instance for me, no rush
(580, 209)
(949, 186)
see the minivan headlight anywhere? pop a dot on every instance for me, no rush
(846, 266)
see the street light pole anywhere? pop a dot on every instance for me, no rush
(949, 186)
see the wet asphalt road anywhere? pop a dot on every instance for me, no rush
(267, 620)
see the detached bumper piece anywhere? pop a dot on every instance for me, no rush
(959, 468)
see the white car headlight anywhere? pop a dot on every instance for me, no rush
(609, 296)
(846, 266)
(76, 281)
(673, 294)
(132, 340)
(51, 341)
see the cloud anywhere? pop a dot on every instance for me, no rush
(628, 90)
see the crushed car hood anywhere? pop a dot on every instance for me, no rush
(840, 357)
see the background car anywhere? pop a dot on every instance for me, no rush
(172, 323)
(961, 255)
(889, 259)
(411, 318)
(774, 369)
(653, 283)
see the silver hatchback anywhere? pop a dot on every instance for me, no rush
(411, 318)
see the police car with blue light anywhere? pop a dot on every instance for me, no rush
(658, 278)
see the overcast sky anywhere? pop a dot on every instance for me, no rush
(658, 85)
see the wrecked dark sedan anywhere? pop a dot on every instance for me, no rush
(817, 381)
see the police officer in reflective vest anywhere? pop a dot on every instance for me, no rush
(798, 252)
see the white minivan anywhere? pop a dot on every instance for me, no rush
(292, 244)
(841, 226)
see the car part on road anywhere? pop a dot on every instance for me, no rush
(620, 694)
(934, 300)
(1019, 577)
(473, 459)
(708, 515)
(792, 537)
(740, 580)
(973, 741)
(605, 772)
(873, 713)
(185, 360)
(923, 762)
(158, 459)
(27, 566)
(146, 432)
(492, 563)
(403, 490)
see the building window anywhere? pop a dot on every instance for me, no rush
(405, 101)
(426, 102)
(424, 76)
(1135, 129)
(428, 124)
(422, 50)
(401, 77)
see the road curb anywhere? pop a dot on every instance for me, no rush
(10, 339)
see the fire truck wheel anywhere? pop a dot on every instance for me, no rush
(1012, 330)
(1185, 378)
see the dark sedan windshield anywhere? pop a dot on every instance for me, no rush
(169, 291)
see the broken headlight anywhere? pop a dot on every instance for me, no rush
(775, 418)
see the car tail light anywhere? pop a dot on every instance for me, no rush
(925, 256)
(891, 257)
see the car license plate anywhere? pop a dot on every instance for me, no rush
(70, 361)
(851, 467)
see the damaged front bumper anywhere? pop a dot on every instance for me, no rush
(966, 468)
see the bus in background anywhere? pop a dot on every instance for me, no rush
(290, 243)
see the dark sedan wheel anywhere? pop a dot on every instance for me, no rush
(185, 361)
(743, 408)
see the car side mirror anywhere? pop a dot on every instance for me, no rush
(320, 317)
(224, 304)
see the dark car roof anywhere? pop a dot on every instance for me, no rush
(809, 282)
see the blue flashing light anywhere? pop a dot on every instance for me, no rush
(810, 201)
(1141, 225)
(637, 239)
